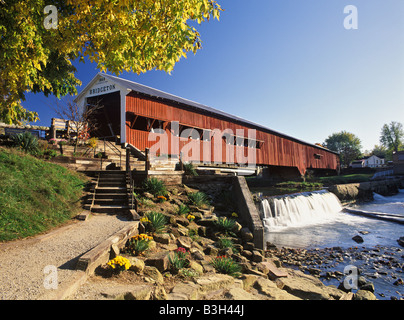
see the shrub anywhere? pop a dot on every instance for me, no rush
(92, 142)
(182, 210)
(156, 222)
(189, 169)
(179, 259)
(154, 186)
(225, 224)
(139, 243)
(26, 142)
(226, 265)
(225, 242)
(198, 198)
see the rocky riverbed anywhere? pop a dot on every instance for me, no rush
(379, 270)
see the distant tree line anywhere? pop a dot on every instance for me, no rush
(348, 145)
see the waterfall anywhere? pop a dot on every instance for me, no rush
(299, 209)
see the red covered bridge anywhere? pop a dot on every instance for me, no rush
(149, 118)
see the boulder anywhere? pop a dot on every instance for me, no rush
(124, 292)
(136, 264)
(364, 295)
(246, 234)
(163, 238)
(271, 290)
(184, 242)
(401, 241)
(152, 274)
(184, 291)
(303, 286)
(214, 282)
(158, 260)
(196, 266)
(357, 239)
(239, 294)
(270, 269)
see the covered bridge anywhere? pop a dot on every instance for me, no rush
(145, 117)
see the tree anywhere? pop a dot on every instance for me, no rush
(346, 144)
(391, 136)
(379, 151)
(81, 122)
(117, 35)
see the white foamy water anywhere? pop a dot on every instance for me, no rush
(299, 210)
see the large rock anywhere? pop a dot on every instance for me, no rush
(270, 289)
(184, 291)
(304, 286)
(239, 294)
(158, 260)
(214, 282)
(401, 241)
(124, 292)
(152, 274)
(136, 264)
(364, 295)
(270, 269)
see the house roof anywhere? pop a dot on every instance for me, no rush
(155, 93)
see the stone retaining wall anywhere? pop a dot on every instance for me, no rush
(364, 191)
(247, 210)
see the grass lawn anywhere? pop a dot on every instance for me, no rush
(35, 195)
(348, 178)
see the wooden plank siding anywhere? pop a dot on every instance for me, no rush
(276, 149)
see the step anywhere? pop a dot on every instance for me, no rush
(110, 208)
(111, 195)
(121, 183)
(111, 190)
(111, 201)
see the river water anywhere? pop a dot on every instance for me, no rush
(380, 258)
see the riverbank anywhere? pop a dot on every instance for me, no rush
(380, 270)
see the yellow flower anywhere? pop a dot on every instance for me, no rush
(234, 215)
(190, 217)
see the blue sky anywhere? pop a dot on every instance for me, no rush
(290, 65)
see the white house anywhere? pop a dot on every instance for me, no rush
(374, 161)
(369, 162)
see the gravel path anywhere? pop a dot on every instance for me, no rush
(22, 262)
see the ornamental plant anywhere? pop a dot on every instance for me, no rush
(139, 244)
(226, 225)
(179, 259)
(154, 186)
(182, 210)
(156, 222)
(191, 217)
(119, 264)
(198, 199)
(226, 265)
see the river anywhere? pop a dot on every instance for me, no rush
(380, 258)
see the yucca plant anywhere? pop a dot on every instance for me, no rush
(226, 225)
(198, 199)
(182, 210)
(189, 169)
(156, 222)
(26, 142)
(154, 186)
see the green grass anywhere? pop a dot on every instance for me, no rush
(349, 178)
(35, 195)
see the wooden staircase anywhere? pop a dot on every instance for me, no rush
(110, 195)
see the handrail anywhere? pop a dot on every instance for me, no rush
(132, 199)
(114, 148)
